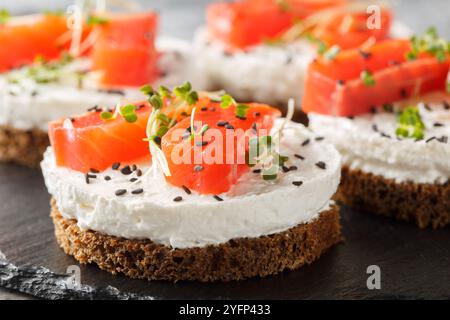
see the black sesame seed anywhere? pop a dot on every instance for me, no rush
(297, 183)
(186, 189)
(139, 172)
(350, 117)
(222, 123)
(94, 108)
(443, 139)
(91, 176)
(178, 199)
(34, 93)
(299, 157)
(430, 139)
(375, 127)
(341, 82)
(384, 135)
(212, 109)
(257, 171)
(321, 165)
(93, 170)
(107, 178)
(134, 167)
(157, 140)
(198, 168)
(137, 191)
(201, 143)
(126, 170)
(304, 143)
(204, 109)
(257, 114)
(394, 63)
(86, 178)
(120, 192)
(284, 169)
(112, 91)
(254, 127)
(293, 168)
(426, 106)
(319, 138)
(229, 126)
(438, 124)
(133, 179)
(116, 166)
(446, 105)
(373, 110)
(403, 93)
(364, 54)
(218, 198)
(241, 118)
(387, 107)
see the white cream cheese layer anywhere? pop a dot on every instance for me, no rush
(27, 104)
(253, 207)
(368, 142)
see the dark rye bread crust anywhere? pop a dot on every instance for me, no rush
(24, 147)
(235, 260)
(424, 204)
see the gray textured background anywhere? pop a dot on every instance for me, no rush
(181, 17)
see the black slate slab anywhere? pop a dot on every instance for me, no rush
(414, 263)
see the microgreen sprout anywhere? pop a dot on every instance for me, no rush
(128, 112)
(367, 78)
(93, 20)
(410, 124)
(4, 16)
(430, 43)
(331, 53)
(227, 101)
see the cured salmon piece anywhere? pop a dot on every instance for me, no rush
(355, 81)
(22, 39)
(124, 51)
(212, 162)
(88, 141)
(241, 24)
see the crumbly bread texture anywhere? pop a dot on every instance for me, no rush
(24, 147)
(235, 260)
(424, 204)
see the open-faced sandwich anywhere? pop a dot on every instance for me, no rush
(387, 111)
(225, 193)
(54, 66)
(259, 49)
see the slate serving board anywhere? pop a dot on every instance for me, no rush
(414, 263)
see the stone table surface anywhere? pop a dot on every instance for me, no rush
(181, 17)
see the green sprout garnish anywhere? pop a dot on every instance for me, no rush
(262, 153)
(4, 16)
(127, 112)
(283, 4)
(430, 43)
(367, 78)
(185, 93)
(58, 13)
(93, 20)
(321, 46)
(43, 71)
(331, 53)
(410, 124)
(227, 101)
(106, 115)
